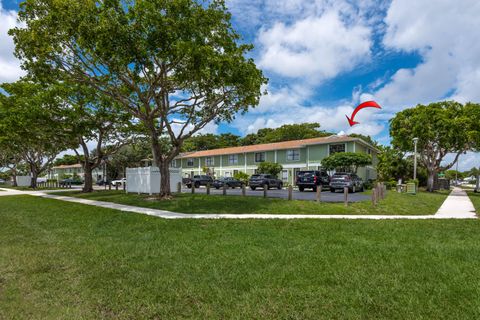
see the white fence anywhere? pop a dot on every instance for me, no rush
(24, 181)
(147, 180)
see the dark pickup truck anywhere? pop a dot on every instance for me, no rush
(198, 181)
(264, 180)
(311, 179)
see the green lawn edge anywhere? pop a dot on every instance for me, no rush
(422, 203)
(61, 260)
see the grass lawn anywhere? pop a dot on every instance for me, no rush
(30, 189)
(475, 197)
(395, 204)
(71, 261)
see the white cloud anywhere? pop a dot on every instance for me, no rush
(287, 105)
(445, 35)
(9, 66)
(314, 48)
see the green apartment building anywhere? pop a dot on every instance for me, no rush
(294, 156)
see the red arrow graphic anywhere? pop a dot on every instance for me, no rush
(366, 104)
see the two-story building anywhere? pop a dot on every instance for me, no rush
(294, 156)
(71, 170)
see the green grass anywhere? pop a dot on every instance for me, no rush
(31, 189)
(395, 204)
(475, 197)
(61, 260)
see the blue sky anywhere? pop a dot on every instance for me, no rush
(323, 57)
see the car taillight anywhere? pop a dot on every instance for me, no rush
(315, 179)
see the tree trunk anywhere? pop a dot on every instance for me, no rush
(15, 177)
(430, 180)
(33, 182)
(88, 178)
(165, 191)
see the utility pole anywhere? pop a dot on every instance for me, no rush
(415, 141)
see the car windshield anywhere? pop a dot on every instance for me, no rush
(255, 176)
(305, 174)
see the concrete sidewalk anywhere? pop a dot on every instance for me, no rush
(456, 206)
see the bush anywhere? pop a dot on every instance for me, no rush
(242, 176)
(270, 168)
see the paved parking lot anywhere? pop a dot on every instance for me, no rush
(326, 196)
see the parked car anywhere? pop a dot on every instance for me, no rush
(341, 180)
(2, 181)
(66, 182)
(100, 182)
(228, 181)
(119, 182)
(264, 180)
(201, 180)
(311, 179)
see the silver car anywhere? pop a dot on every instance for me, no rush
(341, 180)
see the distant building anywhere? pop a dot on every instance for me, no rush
(71, 170)
(294, 156)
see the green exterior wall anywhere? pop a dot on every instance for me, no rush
(310, 159)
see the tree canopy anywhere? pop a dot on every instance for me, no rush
(346, 161)
(441, 128)
(270, 168)
(174, 65)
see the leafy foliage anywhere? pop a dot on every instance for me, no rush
(346, 161)
(242, 176)
(173, 65)
(441, 128)
(270, 168)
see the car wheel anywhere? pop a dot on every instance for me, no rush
(217, 188)
(332, 190)
(314, 189)
(253, 188)
(300, 189)
(280, 186)
(189, 186)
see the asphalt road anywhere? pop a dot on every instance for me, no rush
(326, 196)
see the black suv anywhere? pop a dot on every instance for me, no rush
(264, 180)
(228, 181)
(341, 180)
(198, 181)
(311, 179)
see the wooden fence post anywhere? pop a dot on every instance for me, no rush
(374, 197)
(290, 192)
(116, 186)
(265, 190)
(345, 196)
(208, 188)
(193, 188)
(125, 186)
(109, 186)
(224, 189)
(244, 190)
(179, 187)
(319, 192)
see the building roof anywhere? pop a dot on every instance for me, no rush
(68, 166)
(271, 146)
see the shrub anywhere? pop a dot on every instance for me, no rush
(242, 176)
(270, 168)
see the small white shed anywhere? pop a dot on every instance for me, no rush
(147, 179)
(24, 181)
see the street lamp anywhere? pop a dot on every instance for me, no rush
(415, 141)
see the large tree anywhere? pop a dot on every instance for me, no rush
(441, 129)
(346, 161)
(30, 126)
(174, 65)
(93, 119)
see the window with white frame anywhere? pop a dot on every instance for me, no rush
(334, 148)
(284, 175)
(233, 159)
(209, 161)
(293, 155)
(190, 162)
(259, 156)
